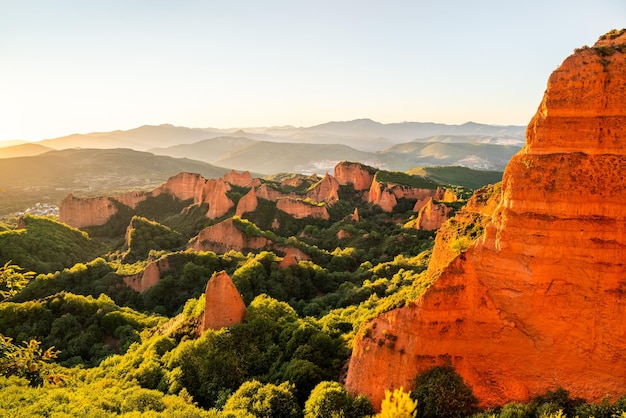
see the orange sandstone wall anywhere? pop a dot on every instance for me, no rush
(539, 302)
(300, 210)
(355, 174)
(80, 213)
(225, 236)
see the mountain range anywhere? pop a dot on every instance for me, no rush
(145, 156)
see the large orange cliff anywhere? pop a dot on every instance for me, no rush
(183, 186)
(83, 212)
(539, 301)
(354, 173)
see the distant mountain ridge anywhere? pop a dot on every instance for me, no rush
(360, 134)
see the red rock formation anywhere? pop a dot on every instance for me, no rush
(289, 259)
(467, 224)
(183, 186)
(342, 233)
(355, 215)
(300, 209)
(445, 195)
(225, 236)
(299, 254)
(354, 173)
(132, 199)
(150, 276)
(80, 213)
(326, 190)
(247, 203)
(382, 197)
(214, 193)
(539, 301)
(269, 193)
(241, 179)
(224, 306)
(386, 195)
(432, 215)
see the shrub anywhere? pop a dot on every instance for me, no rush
(441, 392)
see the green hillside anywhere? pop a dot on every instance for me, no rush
(458, 176)
(45, 245)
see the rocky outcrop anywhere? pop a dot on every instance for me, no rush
(382, 197)
(149, 277)
(243, 179)
(300, 209)
(83, 212)
(183, 186)
(299, 254)
(464, 228)
(289, 259)
(214, 193)
(267, 192)
(358, 175)
(224, 306)
(132, 199)
(539, 301)
(432, 215)
(225, 236)
(248, 203)
(445, 195)
(386, 195)
(326, 190)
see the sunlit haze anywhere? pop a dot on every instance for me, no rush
(78, 66)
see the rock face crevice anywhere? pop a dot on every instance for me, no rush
(539, 301)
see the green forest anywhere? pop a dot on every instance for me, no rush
(77, 340)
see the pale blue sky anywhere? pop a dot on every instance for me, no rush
(71, 66)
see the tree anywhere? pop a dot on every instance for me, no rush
(28, 361)
(329, 400)
(263, 400)
(441, 392)
(13, 280)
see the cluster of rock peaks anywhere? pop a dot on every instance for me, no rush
(314, 203)
(539, 301)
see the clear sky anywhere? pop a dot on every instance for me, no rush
(70, 66)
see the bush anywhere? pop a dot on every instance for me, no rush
(441, 392)
(330, 399)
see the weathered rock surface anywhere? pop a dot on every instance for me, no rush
(225, 236)
(243, 179)
(432, 215)
(354, 173)
(300, 209)
(248, 203)
(214, 193)
(539, 301)
(326, 190)
(224, 306)
(83, 212)
(149, 277)
(183, 186)
(132, 199)
(386, 195)
(267, 192)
